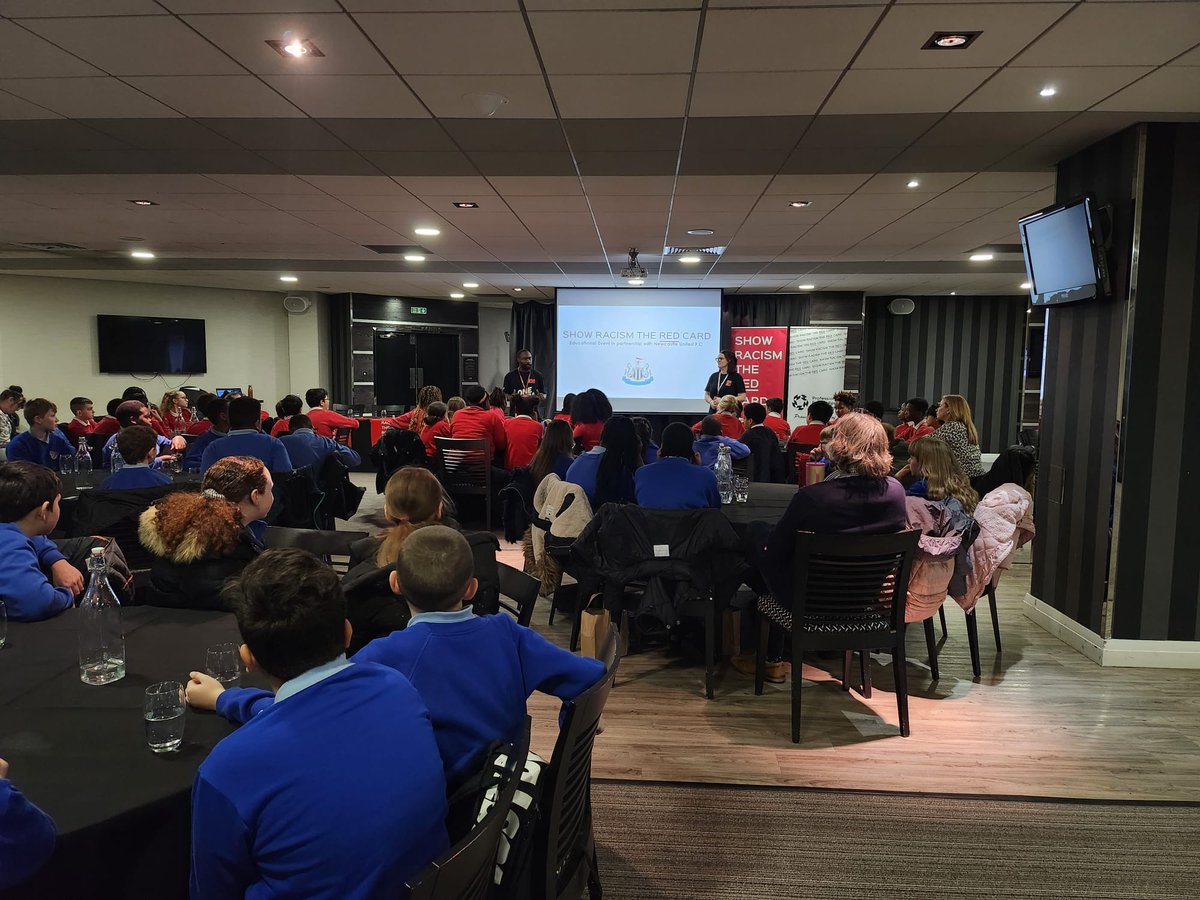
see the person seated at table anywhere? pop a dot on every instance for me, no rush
(859, 497)
(564, 414)
(498, 403)
(766, 459)
(108, 425)
(27, 834)
(677, 480)
(216, 413)
(199, 540)
(523, 432)
(711, 439)
(912, 419)
(727, 415)
(246, 439)
(289, 406)
(554, 453)
(448, 653)
(819, 414)
(10, 401)
(138, 446)
(453, 405)
(36, 581)
(202, 423)
(606, 471)
(645, 433)
(43, 443)
(589, 412)
(775, 420)
(844, 403)
(135, 412)
(175, 412)
(957, 431)
(333, 785)
(414, 419)
(476, 420)
(307, 448)
(325, 420)
(436, 424)
(83, 418)
(939, 475)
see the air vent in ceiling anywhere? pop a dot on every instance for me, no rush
(397, 249)
(680, 251)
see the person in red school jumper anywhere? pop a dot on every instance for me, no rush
(498, 401)
(84, 421)
(819, 414)
(775, 420)
(524, 432)
(436, 424)
(289, 406)
(173, 410)
(109, 424)
(476, 420)
(727, 415)
(589, 412)
(414, 419)
(912, 420)
(325, 421)
(565, 414)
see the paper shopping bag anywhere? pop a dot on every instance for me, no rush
(593, 631)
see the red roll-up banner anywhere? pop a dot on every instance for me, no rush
(761, 360)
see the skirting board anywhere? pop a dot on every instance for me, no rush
(1115, 652)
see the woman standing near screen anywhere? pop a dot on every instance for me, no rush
(725, 382)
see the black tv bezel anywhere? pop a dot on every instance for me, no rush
(1099, 287)
(133, 321)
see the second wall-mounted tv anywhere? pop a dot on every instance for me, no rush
(151, 344)
(1064, 254)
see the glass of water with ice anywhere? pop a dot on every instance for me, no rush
(222, 662)
(163, 712)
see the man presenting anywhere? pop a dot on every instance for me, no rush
(524, 381)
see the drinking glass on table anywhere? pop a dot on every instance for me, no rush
(3, 624)
(741, 488)
(164, 712)
(66, 463)
(221, 661)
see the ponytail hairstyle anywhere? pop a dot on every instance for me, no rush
(426, 396)
(412, 498)
(434, 413)
(935, 462)
(728, 405)
(959, 410)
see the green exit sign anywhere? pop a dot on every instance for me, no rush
(418, 310)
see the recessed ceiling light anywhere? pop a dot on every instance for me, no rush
(427, 232)
(981, 257)
(689, 259)
(950, 40)
(457, 295)
(635, 281)
(954, 293)
(470, 284)
(800, 204)
(141, 254)
(413, 257)
(913, 183)
(1025, 285)
(292, 47)
(701, 231)
(143, 203)
(807, 287)
(518, 290)
(1048, 91)
(466, 204)
(288, 278)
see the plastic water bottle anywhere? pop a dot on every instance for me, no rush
(724, 470)
(101, 638)
(115, 460)
(83, 458)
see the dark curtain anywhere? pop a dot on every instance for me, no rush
(762, 310)
(533, 329)
(341, 375)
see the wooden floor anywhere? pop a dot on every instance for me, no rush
(1042, 721)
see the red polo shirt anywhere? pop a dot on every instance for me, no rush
(589, 434)
(807, 434)
(731, 426)
(430, 432)
(524, 436)
(78, 429)
(107, 425)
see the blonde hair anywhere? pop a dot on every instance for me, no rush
(935, 462)
(168, 401)
(413, 497)
(728, 404)
(860, 447)
(959, 410)
(453, 405)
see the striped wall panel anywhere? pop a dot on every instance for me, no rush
(950, 345)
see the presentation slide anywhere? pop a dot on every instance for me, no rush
(649, 350)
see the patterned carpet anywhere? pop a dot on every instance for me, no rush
(693, 842)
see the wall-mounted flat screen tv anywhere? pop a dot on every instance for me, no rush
(1064, 254)
(153, 344)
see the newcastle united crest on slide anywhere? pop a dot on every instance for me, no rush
(638, 373)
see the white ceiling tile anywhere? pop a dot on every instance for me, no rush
(536, 185)
(591, 5)
(464, 187)
(903, 90)
(720, 203)
(1172, 89)
(217, 96)
(1119, 34)
(707, 185)
(266, 184)
(87, 98)
(616, 43)
(349, 96)
(455, 96)
(547, 203)
(453, 43)
(631, 203)
(1016, 90)
(620, 96)
(13, 107)
(24, 55)
(132, 185)
(244, 38)
(357, 185)
(1008, 181)
(761, 93)
(783, 40)
(137, 45)
(1191, 58)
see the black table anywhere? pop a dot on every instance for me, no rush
(79, 752)
(73, 485)
(767, 503)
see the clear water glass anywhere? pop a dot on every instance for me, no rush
(164, 713)
(3, 625)
(741, 488)
(222, 662)
(66, 463)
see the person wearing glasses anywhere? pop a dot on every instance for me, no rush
(725, 382)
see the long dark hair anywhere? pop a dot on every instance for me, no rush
(621, 458)
(731, 359)
(591, 406)
(555, 442)
(644, 431)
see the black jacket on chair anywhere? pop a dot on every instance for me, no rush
(766, 459)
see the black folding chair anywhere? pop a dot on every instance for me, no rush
(331, 546)
(467, 469)
(519, 588)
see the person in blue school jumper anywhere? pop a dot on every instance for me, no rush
(245, 438)
(43, 443)
(27, 835)
(135, 412)
(606, 471)
(677, 480)
(138, 446)
(36, 581)
(217, 412)
(307, 448)
(711, 439)
(332, 789)
(473, 672)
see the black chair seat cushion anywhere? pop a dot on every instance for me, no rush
(781, 616)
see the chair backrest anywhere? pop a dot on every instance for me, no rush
(466, 871)
(790, 453)
(851, 588)
(565, 824)
(522, 589)
(325, 544)
(466, 465)
(297, 499)
(342, 436)
(96, 444)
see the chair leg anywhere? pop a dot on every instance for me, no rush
(847, 659)
(931, 644)
(991, 595)
(577, 621)
(900, 664)
(942, 618)
(710, 640)
(760, 654)
(973, 640)
(797, 685)
(864, 669)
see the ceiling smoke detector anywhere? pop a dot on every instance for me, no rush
(634, 270)
(487, 103)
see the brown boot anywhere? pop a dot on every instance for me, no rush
(745, 664)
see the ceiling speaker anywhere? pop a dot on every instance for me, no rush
(296, 305)
(901, 306)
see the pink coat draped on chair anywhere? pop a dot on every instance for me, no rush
(929, 580)
(1005, 518)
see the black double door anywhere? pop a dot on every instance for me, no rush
(407, 360)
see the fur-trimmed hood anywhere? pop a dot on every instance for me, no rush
(192, 548)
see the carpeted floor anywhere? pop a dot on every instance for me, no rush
(694, 842)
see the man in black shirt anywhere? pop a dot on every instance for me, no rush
(524, 380)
